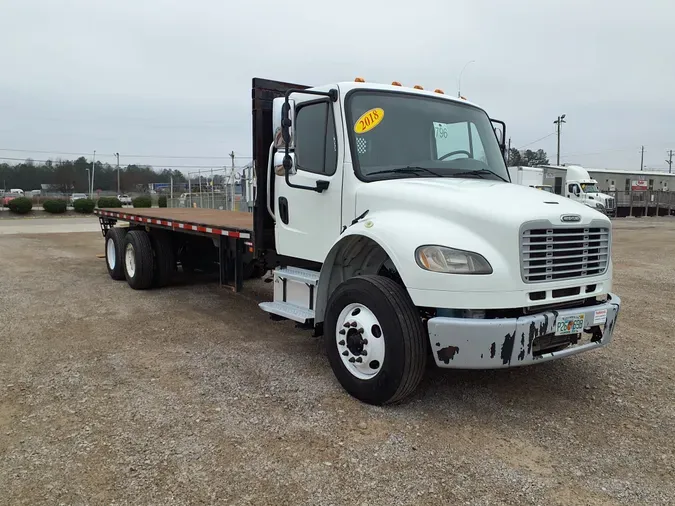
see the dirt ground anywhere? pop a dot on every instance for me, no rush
(192, 395)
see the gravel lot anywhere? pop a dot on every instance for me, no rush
(191, 395)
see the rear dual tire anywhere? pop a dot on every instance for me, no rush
(139, 262)
(114, 252)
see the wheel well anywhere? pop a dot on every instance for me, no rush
(354, 256)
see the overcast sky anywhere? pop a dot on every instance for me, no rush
(172, 77)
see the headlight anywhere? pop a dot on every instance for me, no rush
(453, 261)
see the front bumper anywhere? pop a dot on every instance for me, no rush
(465, 343)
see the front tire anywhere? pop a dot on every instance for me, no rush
(375, 340)
(114, 253)
(138, 260)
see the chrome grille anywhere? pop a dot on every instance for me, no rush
(552, 254)
(610, 203)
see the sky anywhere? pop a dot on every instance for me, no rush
(167, 82)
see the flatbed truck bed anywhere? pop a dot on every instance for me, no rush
(212, 221)
(226, 236)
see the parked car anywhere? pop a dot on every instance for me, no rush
(124, 199)
(9, 197)
(77, 196)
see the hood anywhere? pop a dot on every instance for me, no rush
(471, 202)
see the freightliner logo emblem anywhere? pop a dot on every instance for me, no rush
(570, 218)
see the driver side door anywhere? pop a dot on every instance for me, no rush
(307, 221)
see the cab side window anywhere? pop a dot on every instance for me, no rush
(315, 140)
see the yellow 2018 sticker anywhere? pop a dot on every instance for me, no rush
(369, 120)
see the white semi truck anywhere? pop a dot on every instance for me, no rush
(574, 183)
(577, 184)
(387, 217)
(580, 186)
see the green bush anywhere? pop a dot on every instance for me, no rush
(84, 205)
(109, 202)
(162, 201)
(20, 205)
(54, 206)
(143, 201)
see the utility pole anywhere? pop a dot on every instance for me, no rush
(642, 158)
(558, 123)
(118, 172)
(232, 192)
(93, 166)
(670, 161)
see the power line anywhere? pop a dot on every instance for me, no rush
(533, 142)
(186, 157)
(601, 152)
(157, 165)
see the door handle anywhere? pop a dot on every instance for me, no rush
(283, 210)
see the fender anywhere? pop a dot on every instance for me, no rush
(394, 235)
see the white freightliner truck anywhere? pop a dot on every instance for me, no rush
(577, 184)
(388, 220)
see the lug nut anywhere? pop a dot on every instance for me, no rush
(365, 341)
(353, 324)
(359, 360)
(352, 360)
(345, 353)
(342, 343)
(361, 330)
(364, 353)
(342, 332)
(347, 324)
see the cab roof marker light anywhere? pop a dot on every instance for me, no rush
(359, 80)
(438, 90)
(418, 87)
(396, 83)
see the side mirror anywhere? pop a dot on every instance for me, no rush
(282, 123)
(282, 118)
(280, 163)
(499, 128)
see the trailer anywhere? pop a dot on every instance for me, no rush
(385, 248)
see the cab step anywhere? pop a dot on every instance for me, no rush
(288, 311)
(294, 294)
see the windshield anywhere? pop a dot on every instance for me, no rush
(394, 134)
(589, 188)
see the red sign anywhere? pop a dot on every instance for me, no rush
(640, 184)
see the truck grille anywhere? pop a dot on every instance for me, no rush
(610, 203)
(552, 254)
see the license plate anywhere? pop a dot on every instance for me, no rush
(569, 325)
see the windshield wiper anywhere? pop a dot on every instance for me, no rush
(409, 169)
(478, 172)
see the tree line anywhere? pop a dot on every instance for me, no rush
(69, 176)
(527, 158)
